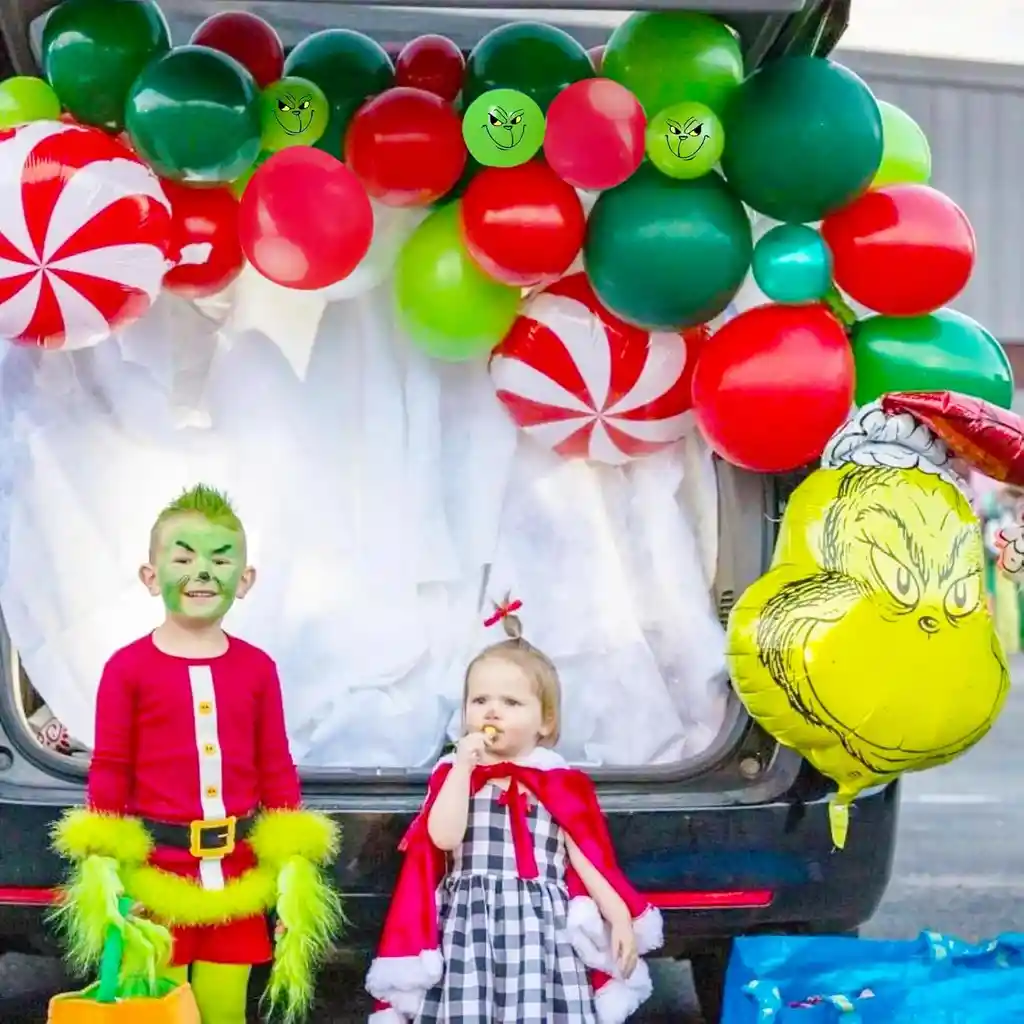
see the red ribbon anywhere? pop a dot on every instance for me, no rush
(503, 611)
(517, 801)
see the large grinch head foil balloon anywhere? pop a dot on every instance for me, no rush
(868, 646)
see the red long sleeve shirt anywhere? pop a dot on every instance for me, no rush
(185, 739)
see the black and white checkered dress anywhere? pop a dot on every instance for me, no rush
(506, 948)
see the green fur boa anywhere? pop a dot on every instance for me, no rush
(109, 854)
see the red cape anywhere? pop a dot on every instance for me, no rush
(409, 962)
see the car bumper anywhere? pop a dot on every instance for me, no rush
(715, 873)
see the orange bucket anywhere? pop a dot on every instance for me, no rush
(116, 1000)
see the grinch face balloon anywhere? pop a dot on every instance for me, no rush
(293, 112)
(503, 128)
(685, 140)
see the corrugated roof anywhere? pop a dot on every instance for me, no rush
(976, 131)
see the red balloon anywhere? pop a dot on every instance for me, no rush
(594, 137)
(902, 250)
(522, 225)
(246, 37)
(406, 147)
(204, 240)
(433, 63)
(304, 221)
(773, 385)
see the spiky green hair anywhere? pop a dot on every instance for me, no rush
(208, 502)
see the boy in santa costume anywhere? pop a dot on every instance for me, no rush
(194, 806)
(510, 907)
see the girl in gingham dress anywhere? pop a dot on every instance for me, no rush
(505, 944)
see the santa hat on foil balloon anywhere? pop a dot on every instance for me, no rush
(85, 235)
(986, 437)
(939, 432)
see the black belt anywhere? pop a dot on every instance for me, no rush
(214, 838)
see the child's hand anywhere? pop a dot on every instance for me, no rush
(470, 749)
(624, 944)
(279, 930)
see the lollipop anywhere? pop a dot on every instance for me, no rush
(490, 733)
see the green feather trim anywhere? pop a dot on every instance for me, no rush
(81, 833)
(182, 901)
(311, 915)
(280, 835)
(86, 908)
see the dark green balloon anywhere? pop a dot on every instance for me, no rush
(194, 116)
(945, 351)
(803, 137)
(92, 51)
(539, 60)
(350, 68)
(667, 254)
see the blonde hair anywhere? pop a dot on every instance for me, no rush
(538, 668)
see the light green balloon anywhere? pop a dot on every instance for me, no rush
(447, 305)
(906, 155)
(24, 99)
(293, 112)
(685, 140)
(503, 128)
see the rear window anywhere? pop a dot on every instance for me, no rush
(388, 502)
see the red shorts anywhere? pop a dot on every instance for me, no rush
(245, 941)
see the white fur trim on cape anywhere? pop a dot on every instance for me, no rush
(871, 437)
(620, 998)
(542, 758)
(403, 981)
(591, 937)
(388, 1016)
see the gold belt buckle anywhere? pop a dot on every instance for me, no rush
(215, 838)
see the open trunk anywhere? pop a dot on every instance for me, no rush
(388, 499)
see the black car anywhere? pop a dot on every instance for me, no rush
(737, 843)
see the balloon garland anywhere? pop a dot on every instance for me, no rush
(776, 202)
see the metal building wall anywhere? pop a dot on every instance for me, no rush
(973, 115)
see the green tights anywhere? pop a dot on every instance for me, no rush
(220, 989)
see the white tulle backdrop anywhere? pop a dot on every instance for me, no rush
(385, 496)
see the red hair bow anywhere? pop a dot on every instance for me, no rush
(503, 611)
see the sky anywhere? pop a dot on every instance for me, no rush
(982, 30)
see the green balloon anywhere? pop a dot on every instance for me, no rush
(293, 112)
(194, 116)
(685, 140)
(350, 68)
(92, 51)
(503, 128)
(945, 351)
(792, 264)
(804, 139)
(24, 99)
(906, 155)
(667, 254)
(448, 306)
(665, 57)
(533, 58)
(239, 184)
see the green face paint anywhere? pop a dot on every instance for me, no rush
(199, 566)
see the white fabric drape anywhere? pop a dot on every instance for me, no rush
(387, 499)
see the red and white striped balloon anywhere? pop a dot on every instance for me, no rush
(588, 385)
(85, 229)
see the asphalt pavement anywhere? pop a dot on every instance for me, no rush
(957, 871)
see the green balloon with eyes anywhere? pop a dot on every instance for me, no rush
(503, 128)
(685, 140)
(293, 112)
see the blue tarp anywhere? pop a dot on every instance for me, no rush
(934, 979)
